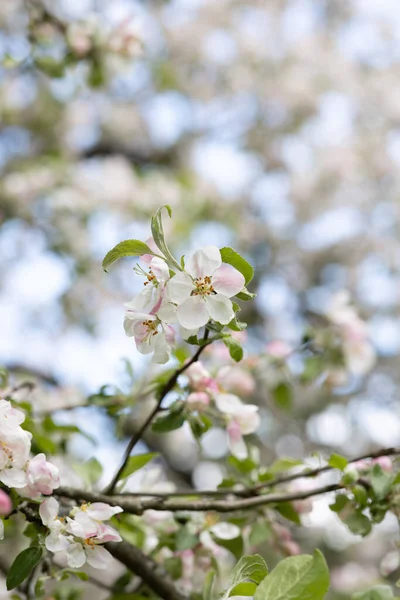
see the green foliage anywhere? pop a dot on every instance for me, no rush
(234, 545)
(247, 574)
(137, 462)
(208, 585)
(381, 481)
(23, 566)
(380, 592)
(231, 257)
(358, 523)
(234, 347)
(157, 232)
(283, 396)
(337, 461)
(174, 420)
(90, 471)
(126, 248)
(302, 577)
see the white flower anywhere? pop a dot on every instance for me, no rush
(10, 416)
(15, 445)
(242, 419)
(205, 289)
(154, 286)
(56, 541)
(150, 333)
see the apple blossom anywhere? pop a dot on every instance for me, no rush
(242, 419)
(41, 477)
(236, 379)
(10, 416)
(203, 291)
(198, 400)
(15, 445)
(150, 333)
(154, 286)
(200, 379)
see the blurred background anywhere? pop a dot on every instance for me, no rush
(272, 127)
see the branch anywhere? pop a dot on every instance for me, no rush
(146, 568)
(165, 390)
(246, 492)
(138, 506)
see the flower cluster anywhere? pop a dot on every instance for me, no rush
(358, 352)
(240, 419)
(189, 298)
(79, 535)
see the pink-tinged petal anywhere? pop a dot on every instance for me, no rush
(179, 287)
(228, 403)
(13, 478)
(160, 269)
(204, 262)
(235, 441)
(220, 309)
(228, 281)
(170, 335)
(48, 511)
(107, 534)
(193, 313)
(147, 258)
(76, 556)
(98, 557)
(248, 419)
(100, 511)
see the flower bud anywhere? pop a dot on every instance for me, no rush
(5, 504)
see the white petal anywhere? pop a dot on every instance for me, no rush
(98, 557)
(13, 478)
(102, 512)
(225, 531)
(56, 542)
(220, 309)
(167, 312)
(48, 510)
(142, 300)
(228, 281)
(187, 333)
(204, 262)
(228, 403)
(179, 287)
(162, 350)
(248, 419)
(193, 313)
(76, 556)
(238, 447)
(160, 269)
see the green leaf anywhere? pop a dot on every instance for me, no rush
(380, 592)
(50, 66)
(246, 588)
(157, 231)
(338, 462)
(341, 501)
(245, 295)
(231, 257)
(381, 481)
(23, 566)
(244, 465)
(173, 565)
(185, 539)
(286, 510)
(360, 495)
(137, 462)
(358, 523)
(168, 423)
(283, 396)
(234, 545)
(302, 577)
(283, 464)
(260, 532)
(253, 568)
(235, 349)
(90, 471)
(208, 586)
(126, 248)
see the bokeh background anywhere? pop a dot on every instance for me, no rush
(273, 127)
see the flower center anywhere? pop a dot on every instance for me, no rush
(151, 327)
(89, 542)
(203, 286)
(151, 278)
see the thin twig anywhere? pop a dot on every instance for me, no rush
(138, 506)
(165, 390)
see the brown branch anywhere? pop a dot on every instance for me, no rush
(246, 492)
(147, 569)
(138, 505)
(165, 390)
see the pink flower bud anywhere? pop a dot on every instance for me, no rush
(290, 548)
(5, 504)
(384, 462)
